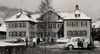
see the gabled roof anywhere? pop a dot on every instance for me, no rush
(3, 28)
(51, 16)
(35, 17)
(72, 15)
(96, 24)
(21, 16)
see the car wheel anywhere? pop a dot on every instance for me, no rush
(70, 47)
(90, 46)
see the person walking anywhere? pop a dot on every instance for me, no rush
(38, 40)
(34, 42)
(26, 40)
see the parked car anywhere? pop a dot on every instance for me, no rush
(72, 43)
(14, 40)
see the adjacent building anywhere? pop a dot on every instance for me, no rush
(48, 25)
(20, 25)
(77, 24)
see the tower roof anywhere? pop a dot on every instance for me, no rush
(77, 14)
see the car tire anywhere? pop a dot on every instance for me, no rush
(70, 47)
(90, 46)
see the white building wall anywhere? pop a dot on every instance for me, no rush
(76, 28)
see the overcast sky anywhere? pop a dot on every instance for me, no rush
(89, 7)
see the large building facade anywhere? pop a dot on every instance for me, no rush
(49, 25)
(77, 24)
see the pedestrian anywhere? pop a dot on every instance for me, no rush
(79, 43)
(34, 42)
(82, 43)
(38, 40)
(52, 40)
(26, 40)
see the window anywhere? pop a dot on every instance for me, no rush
(70, 33)
(75, 24)
(54, 25)
(41, 26)
(77, 15)
(77, 33)
(24, 24)
(15, 34)
(12, 25)
(83, 24)
(70, 24)
(9, 25)
(16, 25)
(50, 25)
(23, 34)
(59, 25)
(20, 34)
(12, 34)
(20, 25)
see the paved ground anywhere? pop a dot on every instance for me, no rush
(38, 50)
(57, 49)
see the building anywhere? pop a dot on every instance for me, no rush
(77, 24)
(96, 30)
(48, 24)
(20, 25)
(2, 29)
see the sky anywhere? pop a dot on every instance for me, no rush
(89, 7)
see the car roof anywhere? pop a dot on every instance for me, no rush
(76, 37)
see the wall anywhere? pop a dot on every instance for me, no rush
(79, 28)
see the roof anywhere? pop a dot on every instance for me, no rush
(96, 24)
(67, 15)
(20, 17)
(35, 17)
(3, 28)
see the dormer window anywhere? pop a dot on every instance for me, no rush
(77, 15)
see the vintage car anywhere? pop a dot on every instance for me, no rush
(73, 43)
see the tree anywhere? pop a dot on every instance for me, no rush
(45, 6)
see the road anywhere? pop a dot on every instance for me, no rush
(38, 50)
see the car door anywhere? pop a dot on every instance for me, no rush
(84, 43)
(74, 43)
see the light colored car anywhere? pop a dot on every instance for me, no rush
(72, 43)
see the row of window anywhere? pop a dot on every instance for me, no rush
(51, 25)
(17, 25)
(17, 34)
(76, 24)
(41, 34)
(77, 33)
